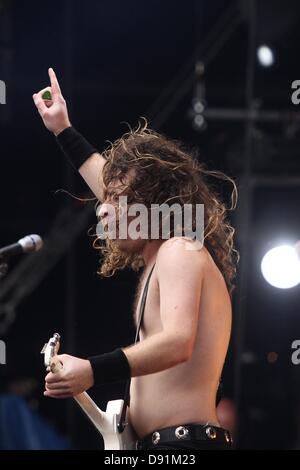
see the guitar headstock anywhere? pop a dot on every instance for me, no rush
(50, 351)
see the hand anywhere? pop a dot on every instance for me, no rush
(75, 377)
(53, 112)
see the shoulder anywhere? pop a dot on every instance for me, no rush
(181, 254)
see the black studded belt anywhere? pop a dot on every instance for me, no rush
(184, 432)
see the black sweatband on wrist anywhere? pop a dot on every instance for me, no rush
(110, 367)
(76, 148)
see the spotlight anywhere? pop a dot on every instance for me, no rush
(198, 106)
(281, 267)
(265, 55)
(197, 109)
(198, 121)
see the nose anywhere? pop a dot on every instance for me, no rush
(103, 212)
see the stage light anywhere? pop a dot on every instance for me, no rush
(265, 55)
(198, 106)
(281, 267)
(198, 101)
(198, 122)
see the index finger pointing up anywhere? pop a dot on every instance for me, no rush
(54, 84)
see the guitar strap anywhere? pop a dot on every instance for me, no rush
(121, 424)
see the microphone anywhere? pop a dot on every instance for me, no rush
(24, 245)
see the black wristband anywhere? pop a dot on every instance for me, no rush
(110, 367)
(76, 148)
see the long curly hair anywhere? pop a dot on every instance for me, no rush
(163, 171)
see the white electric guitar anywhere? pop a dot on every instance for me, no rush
(106, 422)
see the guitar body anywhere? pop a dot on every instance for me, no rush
(106, 422)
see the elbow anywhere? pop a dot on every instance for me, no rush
(179, 349)
(185, 351)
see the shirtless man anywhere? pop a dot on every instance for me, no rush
(176, 367)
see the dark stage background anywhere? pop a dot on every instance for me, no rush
(118, 61)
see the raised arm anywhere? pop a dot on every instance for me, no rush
(84, 157)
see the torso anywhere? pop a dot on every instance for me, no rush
(185, 393)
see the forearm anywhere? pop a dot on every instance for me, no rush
(91, 171)
(84, 157)
(156, 353)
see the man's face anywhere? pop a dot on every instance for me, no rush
(117, 223)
